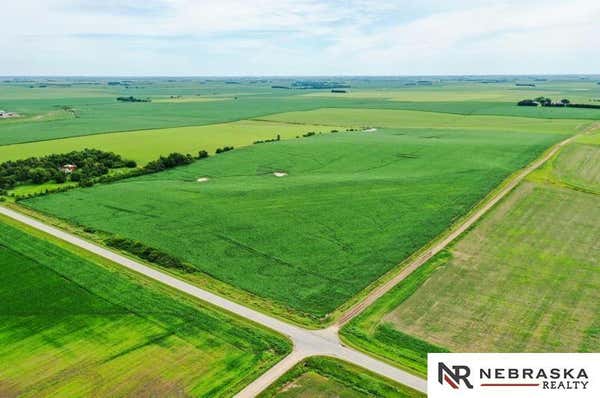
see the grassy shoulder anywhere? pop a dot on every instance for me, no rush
(576, 167)
(328, 377)
(367, 333)
(112, 325)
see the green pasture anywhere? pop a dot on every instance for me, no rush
(74, 325)
(525, 279)
(352, 206)
(330, 378)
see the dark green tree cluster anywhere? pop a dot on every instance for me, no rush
(202, 154)
(173, 160)
(224, 149)
(278, 138)
(38, 170)
(547, 102)
(527, 102)
(131, 98)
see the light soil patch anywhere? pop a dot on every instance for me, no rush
(280, 173)
(202, 179)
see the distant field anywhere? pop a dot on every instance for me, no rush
(351, 208)
(77, 326)
(103, 115)
(413, 119)
(526, 278)
(146, 145)
(74, 108)
(329, 378)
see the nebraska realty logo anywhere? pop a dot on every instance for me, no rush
(514, 375)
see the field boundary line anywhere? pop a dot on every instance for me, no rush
(419, 258)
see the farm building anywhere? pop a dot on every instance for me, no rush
(68, 168)
(6, 115)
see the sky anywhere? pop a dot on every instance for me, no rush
(298, 37)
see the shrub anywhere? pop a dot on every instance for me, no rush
(202, 154)
(148, 253)
(527, 102)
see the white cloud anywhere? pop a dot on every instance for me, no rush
(167, 37)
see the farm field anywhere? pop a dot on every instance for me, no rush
(351, 207)
(76, 107)
(577, 166)
(386, 118)
(146, 145)
(75, 325)
(329, 378)
(525, 279)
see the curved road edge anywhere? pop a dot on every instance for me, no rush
(306, 342)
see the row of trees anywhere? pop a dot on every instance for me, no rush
(167, 162)
(90, 163)
(545, 101)
(278, 138)
(131, 98)
(224, 149)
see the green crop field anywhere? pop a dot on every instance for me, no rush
(329, 378)
(524, 279)
(352, 206)
(74, 325)
(145, 145)
(386, 118)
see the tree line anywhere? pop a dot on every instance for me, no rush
(548, 102)
(131, 98)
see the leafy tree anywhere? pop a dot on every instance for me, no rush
(59, 177)
(76, 175)
(39, 175)
(202, 154)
